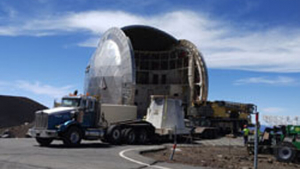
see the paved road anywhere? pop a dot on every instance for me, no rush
(26, 154)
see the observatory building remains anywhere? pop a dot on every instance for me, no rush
(132, 63)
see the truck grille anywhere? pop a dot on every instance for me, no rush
(41, 120)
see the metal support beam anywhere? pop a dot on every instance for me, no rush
(191, 74)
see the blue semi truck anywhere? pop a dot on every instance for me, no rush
(84, 117)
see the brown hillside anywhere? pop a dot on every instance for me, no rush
(15, 111)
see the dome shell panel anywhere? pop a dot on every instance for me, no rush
(146, 38)
(111, 70)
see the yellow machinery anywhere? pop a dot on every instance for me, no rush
(240, 111)
(226, 117)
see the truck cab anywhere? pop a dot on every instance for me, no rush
(66, 122)
(86, 113)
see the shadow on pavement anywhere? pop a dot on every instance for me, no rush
(107, 145)
(81, 146)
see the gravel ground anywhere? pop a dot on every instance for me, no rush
(227, 157)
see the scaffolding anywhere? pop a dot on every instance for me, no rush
(281, 120)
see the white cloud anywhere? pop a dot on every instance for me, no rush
(3, 83)
(43, 93)
(43, 89)
(223, 46)
(8, 31)
(278, 81)
(92, 42)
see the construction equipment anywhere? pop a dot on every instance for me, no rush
(222, 117)
(84, 117)
(287, 150)
(282, 141)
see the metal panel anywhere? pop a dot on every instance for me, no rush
(111, 70)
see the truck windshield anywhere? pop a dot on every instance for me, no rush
(67, 102)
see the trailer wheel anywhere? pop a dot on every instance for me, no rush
(72, 137)
(286, 152)
(114, 134)
(130, 136)
(143, 136)
(44, 141)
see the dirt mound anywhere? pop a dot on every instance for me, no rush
(227, 157)
(16, 131)
(16, 111)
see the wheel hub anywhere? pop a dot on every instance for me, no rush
(74, 137)
(116, 134)
(285, 153)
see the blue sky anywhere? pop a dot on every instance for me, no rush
(251, 47)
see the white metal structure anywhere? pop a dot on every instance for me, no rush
(166, 114)
(281, 120)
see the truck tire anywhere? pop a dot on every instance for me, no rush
(114, 134)
(143, 136)
(285, 152)
(72, 137)
(44, 141)
(130, 136)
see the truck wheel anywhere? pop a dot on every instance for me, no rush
(44, 141)
(130, 136)
(143, 136)
(114, 134)
(72, 137)
(286, 152)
